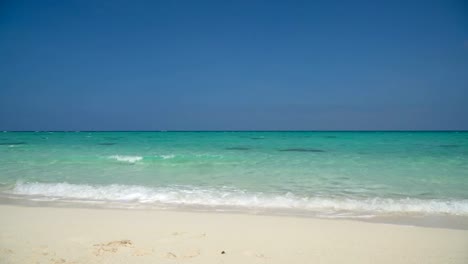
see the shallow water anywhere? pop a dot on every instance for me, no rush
(332, 174)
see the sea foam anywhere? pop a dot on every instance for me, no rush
(239, 199)
(129, 159)
(170, 156)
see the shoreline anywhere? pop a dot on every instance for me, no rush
(84, 235)
(456, 222)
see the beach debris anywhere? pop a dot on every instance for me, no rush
(223, 252)
(111, 247)
(191, 253)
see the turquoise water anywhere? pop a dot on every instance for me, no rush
(321, 173)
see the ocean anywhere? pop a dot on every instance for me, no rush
(324, 174)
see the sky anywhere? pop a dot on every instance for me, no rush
(233, 65)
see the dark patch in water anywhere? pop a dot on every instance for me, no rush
(238, 148)
(425, 194)
(12, 143)
(106, 144)
(257, 138)
(330, 136)
(302, 150)
(449, 146)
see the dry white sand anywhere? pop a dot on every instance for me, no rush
(71, 235)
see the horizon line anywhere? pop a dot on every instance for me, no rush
(357, 130)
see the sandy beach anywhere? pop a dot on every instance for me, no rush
(233, 132)
(76, 235)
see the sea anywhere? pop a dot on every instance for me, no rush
(366, 175)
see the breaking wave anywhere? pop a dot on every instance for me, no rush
(234, 198)
(128, 159)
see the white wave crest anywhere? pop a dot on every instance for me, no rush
(170, 156)
(228, 197)
(129, 159)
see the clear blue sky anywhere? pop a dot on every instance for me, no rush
(233, 65)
